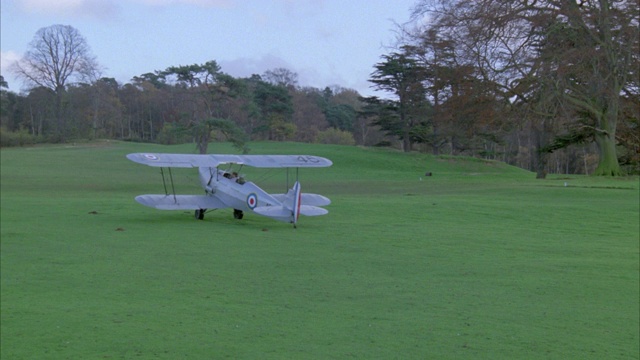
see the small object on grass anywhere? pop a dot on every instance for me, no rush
(428, 173)
(120, 229)
(93, 212)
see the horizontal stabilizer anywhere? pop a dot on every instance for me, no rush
(308, 210)
(180, 202)
(307, 199)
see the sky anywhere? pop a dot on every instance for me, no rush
(326, 42)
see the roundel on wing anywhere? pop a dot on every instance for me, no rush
(252, 201)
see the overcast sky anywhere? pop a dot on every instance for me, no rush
(327, 42)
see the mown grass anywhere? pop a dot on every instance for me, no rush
(479, 260)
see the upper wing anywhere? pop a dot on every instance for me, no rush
(261, 161)
(172, 160)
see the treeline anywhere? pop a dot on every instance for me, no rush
(549, 86)
(196, 103)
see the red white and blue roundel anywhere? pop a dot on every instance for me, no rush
(252, 201)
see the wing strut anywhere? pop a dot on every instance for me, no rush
(297, 176)
(164, 183)
(172, 186)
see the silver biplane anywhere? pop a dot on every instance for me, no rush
(226, 189)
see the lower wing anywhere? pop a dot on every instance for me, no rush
(283, 212)
(180, 202)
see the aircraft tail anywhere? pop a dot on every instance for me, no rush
(293, 206)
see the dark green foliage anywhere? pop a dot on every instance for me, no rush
(340, 116)
(273, 100)
(173, 133)
(18, 138)
(231, 133)
(275, 109)
(566, 140)
(383, 113)
(402, 75)
(156, 79)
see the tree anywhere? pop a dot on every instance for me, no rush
(339, 106)
(275, 110)
(606, 34)
(383, 114)
(205, 89)
(308, 114)
(40, 107)
(401, 75)
(281, 77)
(56, 55)
(11, 110)
(4, 101)
(594, 54)
(106, 108)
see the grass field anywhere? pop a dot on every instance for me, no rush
(479, 260)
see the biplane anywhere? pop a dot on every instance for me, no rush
(225, 188)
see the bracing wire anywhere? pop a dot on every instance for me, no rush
(164, 183)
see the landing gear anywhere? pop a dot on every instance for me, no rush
(200, 214)
(238, 214)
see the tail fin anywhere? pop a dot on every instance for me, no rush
(290, 209)
(297, 202)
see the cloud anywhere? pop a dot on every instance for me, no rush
(307, 76)
(104, 9)
(95, 9)
(201, 3)
(6, 59)
(245, 67)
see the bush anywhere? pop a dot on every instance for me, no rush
(336, 137)
(21, 137)
(172, 134)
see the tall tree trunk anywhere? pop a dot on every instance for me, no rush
(608, 162)
(203, 137)
(539, 131)
(60, 119)
(606, 137)
(203, 144)
(406, 141)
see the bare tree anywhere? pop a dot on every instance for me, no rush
(56, 55)
(281, 77)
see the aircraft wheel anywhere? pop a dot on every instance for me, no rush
(200, 214)
(238, 214)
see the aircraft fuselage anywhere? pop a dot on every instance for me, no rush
(234, 191)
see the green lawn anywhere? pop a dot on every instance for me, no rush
(479, 260)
